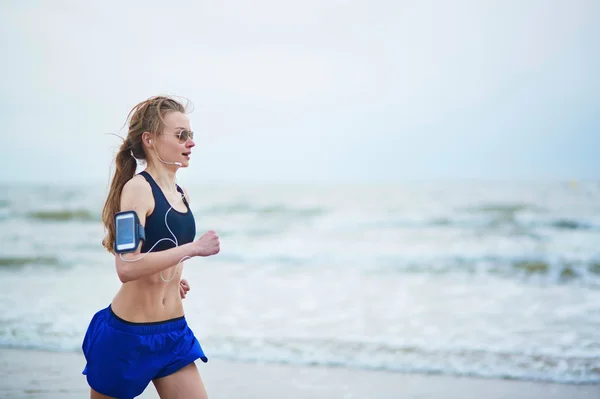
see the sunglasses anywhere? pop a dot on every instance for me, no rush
(184, 135)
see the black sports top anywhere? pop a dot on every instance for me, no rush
(182, 224)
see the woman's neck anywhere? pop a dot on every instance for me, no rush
(164, 177)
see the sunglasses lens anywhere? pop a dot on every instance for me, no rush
(183, 136)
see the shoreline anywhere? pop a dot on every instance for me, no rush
(37, 374)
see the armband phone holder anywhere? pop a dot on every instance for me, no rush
(129, 232)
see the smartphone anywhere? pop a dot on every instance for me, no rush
(129, 232)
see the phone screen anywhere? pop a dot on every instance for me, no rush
(125, 229)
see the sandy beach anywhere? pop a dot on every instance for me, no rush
(53, 375)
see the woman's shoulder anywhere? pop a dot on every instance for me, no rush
(137, 193)
(138, 185)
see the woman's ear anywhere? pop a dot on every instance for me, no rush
(146, 138)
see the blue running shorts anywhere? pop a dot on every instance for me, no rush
(123, 357)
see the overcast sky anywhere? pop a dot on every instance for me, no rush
(330, 90)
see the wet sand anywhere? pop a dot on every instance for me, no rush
(52, 375)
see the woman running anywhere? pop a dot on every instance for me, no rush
(142, 335)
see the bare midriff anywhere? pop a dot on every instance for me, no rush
(150, 299)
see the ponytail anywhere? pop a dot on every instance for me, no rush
(125, 169)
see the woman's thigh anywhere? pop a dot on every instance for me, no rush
(185, 383)
(97, 395)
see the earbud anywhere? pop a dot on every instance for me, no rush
(149, 141)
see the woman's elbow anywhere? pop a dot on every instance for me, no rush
(123, 271)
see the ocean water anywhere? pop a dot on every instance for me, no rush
(488, 279)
